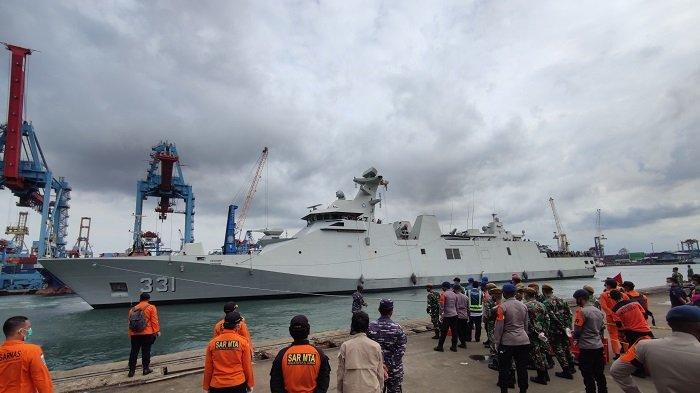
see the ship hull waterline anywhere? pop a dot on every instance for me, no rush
(172, 281)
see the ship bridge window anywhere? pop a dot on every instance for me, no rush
(452, 253)
(422, 251)
(338, 224)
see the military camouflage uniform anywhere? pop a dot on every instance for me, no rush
(357, 302)
(433, 309)
(489, 317)
(392, 339)
(538, 322)
(678, 276)
(540, 298)
(560, 318)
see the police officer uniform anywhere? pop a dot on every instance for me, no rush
(392, 339)
(589, 326)
(511, 339)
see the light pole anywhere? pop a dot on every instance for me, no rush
(652, 247)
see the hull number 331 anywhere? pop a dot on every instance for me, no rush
(159, 284)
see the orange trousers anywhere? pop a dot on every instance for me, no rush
(614, 338)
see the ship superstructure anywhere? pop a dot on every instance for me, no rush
(341, 246)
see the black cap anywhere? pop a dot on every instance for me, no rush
(446, 284)
(145, 296)
(298, 322)
(628, 284)
(581, 293)
(611, 282)
(230, 306)
(231, 319)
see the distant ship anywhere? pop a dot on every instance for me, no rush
(340, 247)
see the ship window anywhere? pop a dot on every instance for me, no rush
(338, 224)
(508, 249)
(200, 258)
(299, 251)
(452, 253)
(118, 287)
(422, 251)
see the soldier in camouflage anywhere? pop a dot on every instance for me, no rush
(538, 296)
(538, 325)
(489, 317)
(560, 318)
(392, 339)
(358, 301)
(433, 309)
(592, 300)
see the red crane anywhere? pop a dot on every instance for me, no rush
(251, 193)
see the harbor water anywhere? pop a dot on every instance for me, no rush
(73, 334)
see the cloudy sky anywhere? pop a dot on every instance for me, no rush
(501, 103)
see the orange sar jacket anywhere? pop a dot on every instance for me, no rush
(228, 362)
(151, 314)
(241, 330)
(22, 368)
(300, 368)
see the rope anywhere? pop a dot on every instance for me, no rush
(250, 288)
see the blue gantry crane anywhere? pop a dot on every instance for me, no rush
(23, 169)
(168, 184)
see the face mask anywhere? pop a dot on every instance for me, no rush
(29, 334)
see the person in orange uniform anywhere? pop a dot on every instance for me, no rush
(22, 366)
(144, 327)
(228, 364)
(630, 318)
(606, 305)
(242, 327)
(300, 367)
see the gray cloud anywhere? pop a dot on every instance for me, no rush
(509, 102)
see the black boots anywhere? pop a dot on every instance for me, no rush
(564, 374)
(436, 337)
(147, 371)
(439, 349)
(131, 373)
(453, 349)
(541, 378)
(462, 345)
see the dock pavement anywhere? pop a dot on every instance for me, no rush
(425, 370)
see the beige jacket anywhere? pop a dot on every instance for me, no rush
(360, 366)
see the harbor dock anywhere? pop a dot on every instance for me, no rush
(425, 369)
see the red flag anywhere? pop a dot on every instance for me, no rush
(618, 278)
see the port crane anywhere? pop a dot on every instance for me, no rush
(234, 228)
(164, 180)
(23, 168)
(559, 235)
(82, 247)
(599, 247)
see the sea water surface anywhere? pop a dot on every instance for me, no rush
(73, 334)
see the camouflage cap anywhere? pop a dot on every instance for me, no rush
(589, 289)
(490, 286)
(520, 287)
(386, 304)
(534, 285)
(495, 291)
(547, 287)
(530, 291)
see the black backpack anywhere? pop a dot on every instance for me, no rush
(137, 320)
